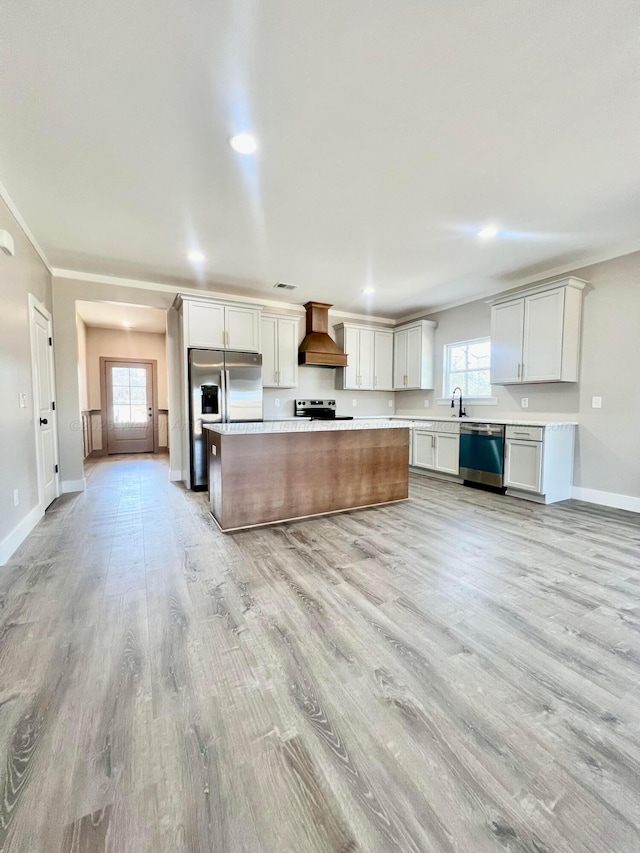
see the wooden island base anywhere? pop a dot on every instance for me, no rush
(257, 479)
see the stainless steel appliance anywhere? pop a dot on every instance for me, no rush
(224, 387)
(482, 453)
(319, 410)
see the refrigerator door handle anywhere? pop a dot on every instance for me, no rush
(224, 384)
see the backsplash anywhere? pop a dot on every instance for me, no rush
(319, 383)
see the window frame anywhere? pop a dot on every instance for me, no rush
(485, 399)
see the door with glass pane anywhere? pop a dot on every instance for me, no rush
(130, 406)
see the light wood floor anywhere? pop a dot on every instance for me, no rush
(457, 673)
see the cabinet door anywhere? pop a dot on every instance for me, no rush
(351, 348)
(365, 360)
(383, 361)
(424, 446)
(523, 465)
(243, 328)
(205, 325)
(447, 457)
(414, 357)
(543, 325)
(288, 353)
(507, 328)
(269, 343)
(400, 360)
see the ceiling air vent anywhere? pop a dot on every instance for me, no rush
(282, 286)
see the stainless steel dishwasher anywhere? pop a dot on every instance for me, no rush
(482, 453)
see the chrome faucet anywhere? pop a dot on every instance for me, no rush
(461, 412)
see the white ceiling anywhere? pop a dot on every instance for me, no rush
(115, 315)
(389, 133)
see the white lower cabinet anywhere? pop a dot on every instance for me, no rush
(447, 453)
(538, 462)
(424, 449)
(523, 465)
(435, 449)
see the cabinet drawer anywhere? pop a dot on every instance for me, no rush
(526, 433)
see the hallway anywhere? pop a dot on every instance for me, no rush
(436, 676)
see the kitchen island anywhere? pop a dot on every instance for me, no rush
(263, 473)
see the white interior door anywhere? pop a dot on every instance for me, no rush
(44, 402)
(130, 406)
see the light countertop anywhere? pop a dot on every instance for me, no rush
(506, 421)
(300, 425)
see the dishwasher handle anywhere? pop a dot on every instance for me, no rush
(482, 429)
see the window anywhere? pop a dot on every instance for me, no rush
(466, 366)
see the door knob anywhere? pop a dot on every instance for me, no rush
(43, 421)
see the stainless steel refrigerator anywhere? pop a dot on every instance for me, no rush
(225, 387)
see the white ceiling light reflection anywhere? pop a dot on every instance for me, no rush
(244, 143)
(488, 232)
(196, 257)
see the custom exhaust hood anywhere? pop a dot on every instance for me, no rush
(317, 347)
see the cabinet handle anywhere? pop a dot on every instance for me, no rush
(375, 381)
(433, 440)
(518, 370)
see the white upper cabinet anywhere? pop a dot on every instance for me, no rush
(243, 328)
(279, 351)
(413, 356)
(213, 325)
(536, 336)
(507, 324)
(369, 353)
(383, 360)
(204, 324)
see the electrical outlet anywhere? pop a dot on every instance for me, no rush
(276, 402)
(596, 402)
(355, 402)
(524, 402)
(23, 400)
(391, 404)
(426, 402)
(16, 497)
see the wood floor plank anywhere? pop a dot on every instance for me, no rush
(459, 673)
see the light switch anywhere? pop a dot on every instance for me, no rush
(596, 402)
(23, 400)
(391, 404)
(276, 402)
(426, 402)
(355, 402)
(524, 402)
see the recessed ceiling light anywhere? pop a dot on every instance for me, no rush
(127, 324)
(488, 232)
(244, 143)
(196, 257)
(369, 290)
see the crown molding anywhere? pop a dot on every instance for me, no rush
(13, 210)
(620, 251)
(95, 278)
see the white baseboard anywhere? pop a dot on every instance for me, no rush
(175, 476)
(74, 486)
(19, 533)
(594, 496)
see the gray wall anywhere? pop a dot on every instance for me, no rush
(19, 275)
(608, 446)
